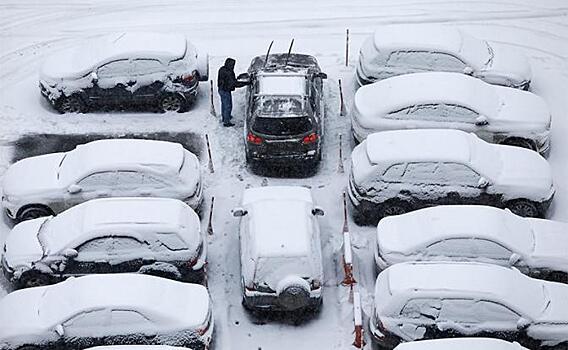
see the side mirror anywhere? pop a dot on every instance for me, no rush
(482, 183)
(468, 70)
(244, 77)
(94, 77)
(317, 211)
(74, 189)
(59, 330)
(321, 75)
(239, 212)
(70, 253)
(514, 259)
(481, 120)
(523, 323)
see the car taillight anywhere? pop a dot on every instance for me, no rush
(189, 78)
(254, 139)
(311, 138)
(204, 328)
(193, 261)
(379, 324)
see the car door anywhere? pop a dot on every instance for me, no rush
(422, 183)
(130, 184)
(93, 256)
(111, 84)
(409, 61)
(498, 254)
(157, 186)
(446, 62)
(96, 185)
(148, 77)
(131, 324)
(417, 319)
(462, 184)
(128, 254)
(455, 249)
(86, 329)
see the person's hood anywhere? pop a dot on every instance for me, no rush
(522, 109)
(550, 244)
(19, 314)
(22, 245)
(229, 63)
(32, 175)
(509, 64)
(524, 174)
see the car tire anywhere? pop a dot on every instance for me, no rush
(524, 208)
(33, 212)
(70, 104)
(28, 347)
(33, 279)
(394, 207)
(172, 103)
(519, 142)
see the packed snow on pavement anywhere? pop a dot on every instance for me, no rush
(31, 30)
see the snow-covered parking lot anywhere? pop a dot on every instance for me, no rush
(32, 29)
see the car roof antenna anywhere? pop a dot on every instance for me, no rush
(289, 52)
(268, 53)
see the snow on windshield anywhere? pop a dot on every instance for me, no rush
(280, 105)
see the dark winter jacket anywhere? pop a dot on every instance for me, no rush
(226, 80)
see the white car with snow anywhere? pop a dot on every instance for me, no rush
(48, 184)
(113, 309)
(281, 258)
(394, 172)
(458, 343)
(536, 247)
(442, 100)
(122, 70)
(413, 48)
(425, 300)
(158, 236)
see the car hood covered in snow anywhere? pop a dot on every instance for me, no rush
(22, 245)
(551, 244)
(556, 311)
(508, 63)
(33, 175)
(522, 108)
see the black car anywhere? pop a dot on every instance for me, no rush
(121, 71)
(285, 109)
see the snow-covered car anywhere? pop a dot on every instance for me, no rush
(281, 258)
(458, 343)
(158, 236)
(412, 48)
(127, 69)
(285, 109)
(425, 300)
(393, 172)
(442, 100)
(48, 184)
(112, 309)
(140, 347)
(536, 247)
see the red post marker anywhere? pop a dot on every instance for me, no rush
(358, 320)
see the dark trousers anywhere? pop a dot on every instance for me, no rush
(226, 105)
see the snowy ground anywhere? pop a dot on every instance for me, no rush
(32, 29)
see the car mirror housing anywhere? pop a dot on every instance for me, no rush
(322, 75)
(94, 77)
(59, 330)
(481, 120)
(514, 259)
(317, 211)
(523, 323)
(468, 70)
(70, 253)
(239, 212)
(74, 189)
(483, 182)
(244, 77)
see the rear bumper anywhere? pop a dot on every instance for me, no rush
(270, 302)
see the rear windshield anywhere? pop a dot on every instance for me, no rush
(282, 126)
(275, 105)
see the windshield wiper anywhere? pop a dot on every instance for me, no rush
(491, 54)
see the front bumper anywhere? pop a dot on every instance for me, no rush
(382, 338)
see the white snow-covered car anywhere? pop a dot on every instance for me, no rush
(158, 236)
(413, 48)
(281, 258)
(125, 69)
(113, 309)
(537, 247)
(393, 172)
(48, 184)
(425, 300)
(458, 343)
(139, 347)
(442, 100)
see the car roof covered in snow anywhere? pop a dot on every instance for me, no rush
(115, 154)
(179, 303)
(280, 220)
(460, 343)
(400, 146)
(283, 84)
(407, 90)
(123, 216)
(415, 230)
(78, 61)
(418, 36)
(467, 280)
(281, 62)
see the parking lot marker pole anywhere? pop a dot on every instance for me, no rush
(348, 280)
(358, 319)
(210, 224)
(212, 109)
(340, 168)
(341, 103)
(347, 47)
(211, 169)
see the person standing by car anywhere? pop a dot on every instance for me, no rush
(226, 83)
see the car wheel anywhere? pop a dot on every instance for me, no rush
(172, 103)
(395, 207)
(524, 208)
(518, 142)
(71, 104)
(34, 279)
(33, 212)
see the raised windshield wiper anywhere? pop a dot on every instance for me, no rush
(59, 166)
(491, 54)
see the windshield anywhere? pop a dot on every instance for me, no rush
(271, 270)
(287, 126)
(280, 105)
(477, 52)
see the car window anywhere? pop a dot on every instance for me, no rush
(447, 62)
(413, 59)
(459, 310)
(394, 173)
(147, 67)
(495, 312)
(170, 241)
(421, 308)
(435, 112)
(127, 317)
(153, 181)
(459, 174)
(95, 318)
(454, 247)
(129, 180)
(98, 180)
(121, 244)
(114, 69)
(421, 173)
(96, 246)
(492, 250)
(453, 112)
